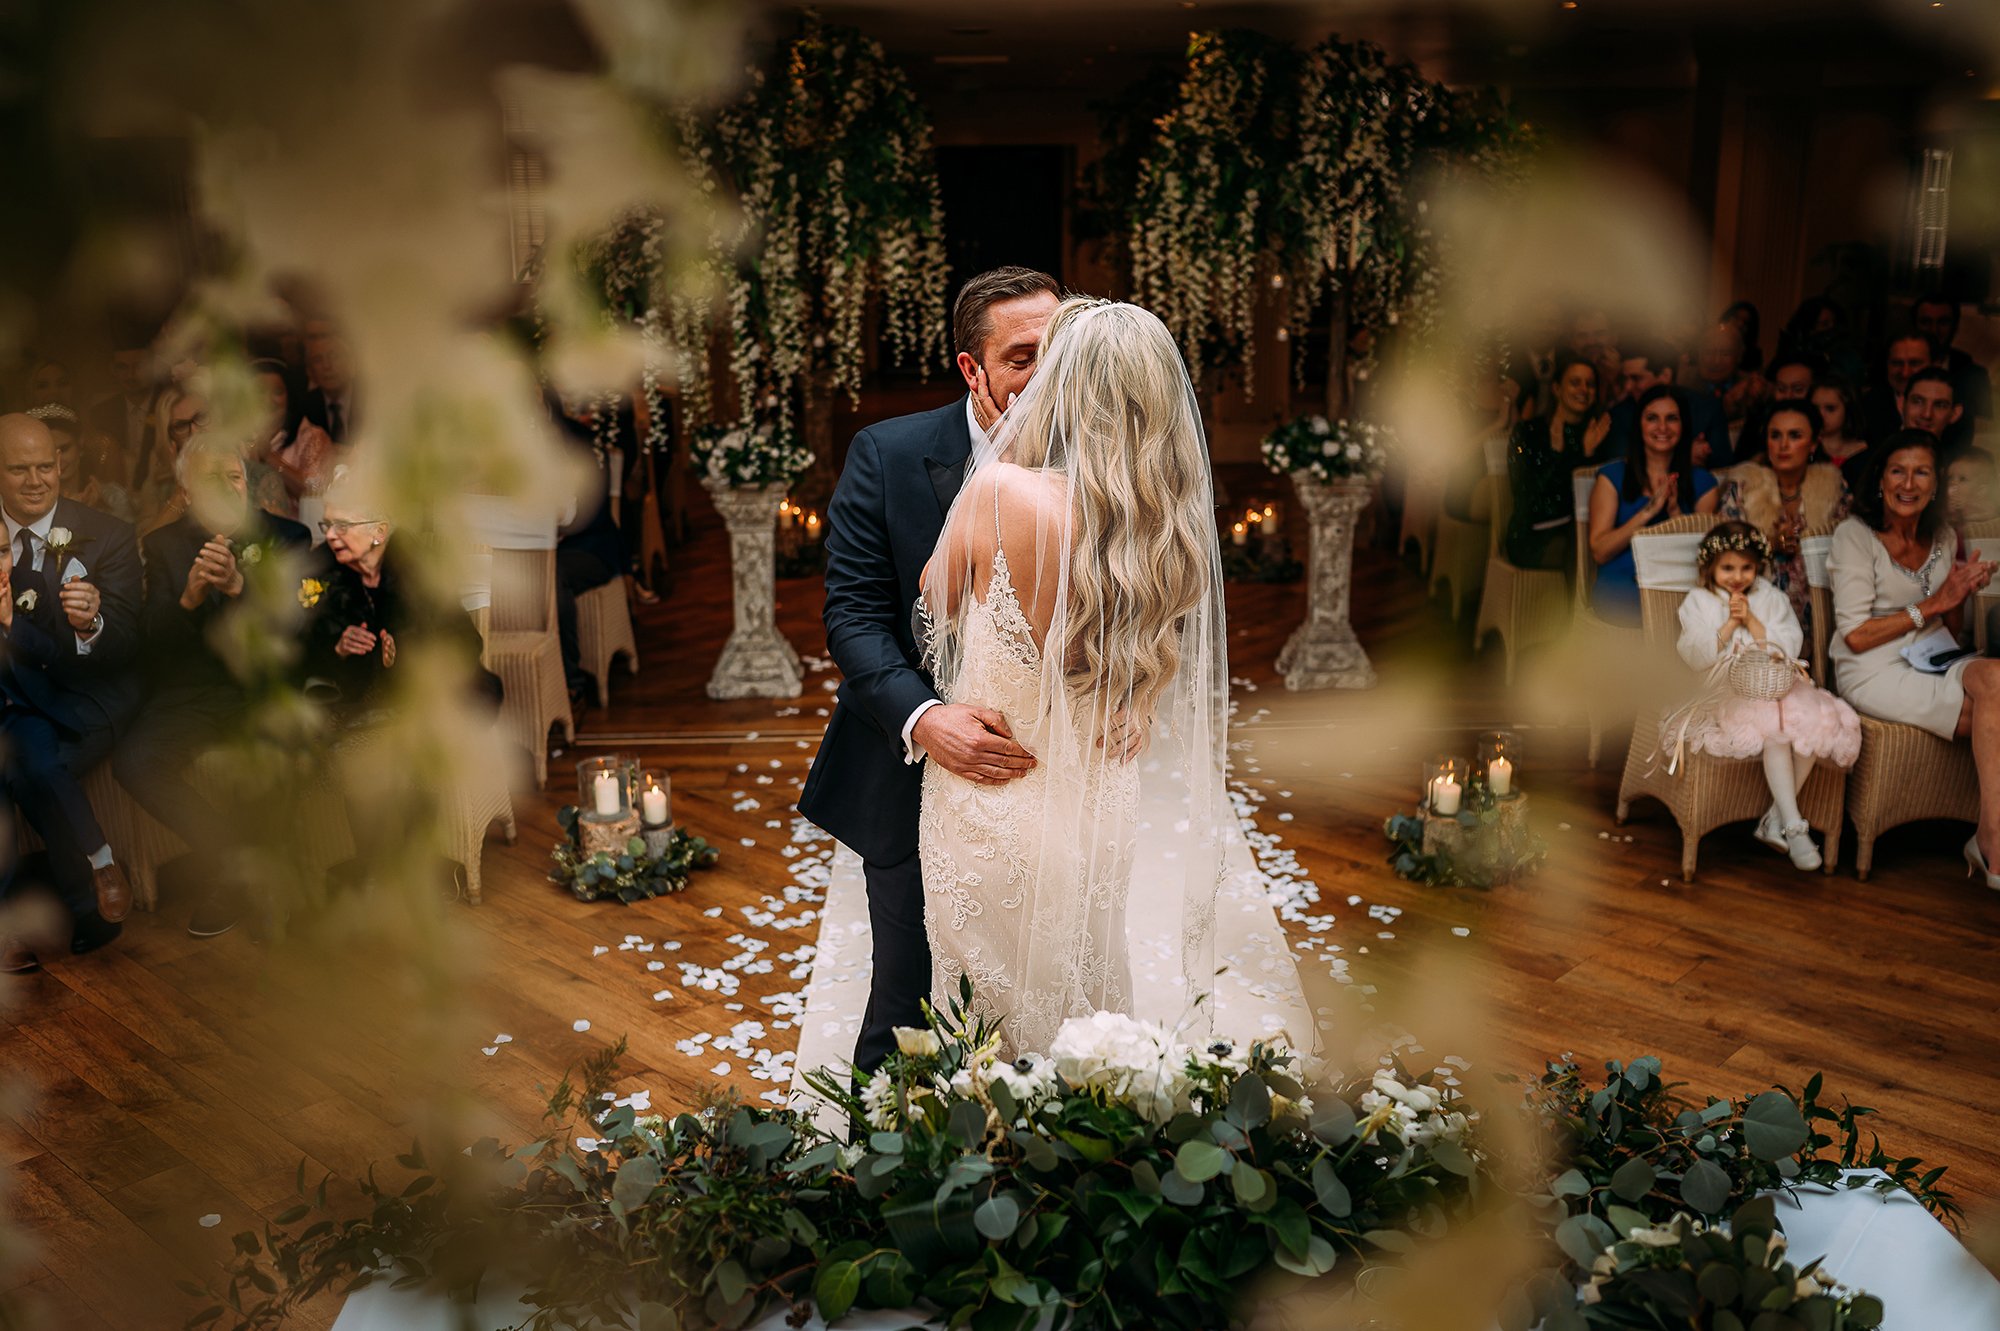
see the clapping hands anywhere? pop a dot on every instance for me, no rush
(1965, 581)
(214, 567)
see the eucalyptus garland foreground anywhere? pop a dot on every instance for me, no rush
(1123, 1180)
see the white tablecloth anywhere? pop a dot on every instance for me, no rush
(1887, 1245)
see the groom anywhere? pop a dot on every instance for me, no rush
(887, 513)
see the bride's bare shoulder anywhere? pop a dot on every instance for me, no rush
(1025, 496)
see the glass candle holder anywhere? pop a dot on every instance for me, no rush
(1499, 762)
(603, 792)
(656, 800)
(1445, 778)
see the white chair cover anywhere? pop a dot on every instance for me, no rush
(1986, 547)
(509, 524)
(1666, 562)
(1581, 484)
(1813, 550)
(311, 509)
(1496, 453)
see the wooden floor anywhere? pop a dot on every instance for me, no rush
(167, 1082)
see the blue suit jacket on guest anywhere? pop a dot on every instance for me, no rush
(100, 689)
(886, 516)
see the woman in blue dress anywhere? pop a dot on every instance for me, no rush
(1654, 481)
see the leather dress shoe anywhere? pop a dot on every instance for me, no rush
(16, 959)
(114, 892)
(92, 932)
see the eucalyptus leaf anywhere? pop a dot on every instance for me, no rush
(997, 1217)
(1200, 1161)
(1633, 1179)
(1583, 1237)
(1705, 1187)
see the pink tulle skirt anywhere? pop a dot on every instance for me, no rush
(1809, 719)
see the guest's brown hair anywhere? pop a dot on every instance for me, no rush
(971, 314)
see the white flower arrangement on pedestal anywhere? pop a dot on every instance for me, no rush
(749, 456)
(1328, 451)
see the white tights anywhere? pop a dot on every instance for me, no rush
(1785, 771)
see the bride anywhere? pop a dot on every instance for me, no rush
(1077, 588)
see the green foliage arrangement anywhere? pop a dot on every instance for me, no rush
(632, 876)
(1123, 1180)
(748, 456)
(1328, 451)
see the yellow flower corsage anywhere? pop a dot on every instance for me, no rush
(310, 590)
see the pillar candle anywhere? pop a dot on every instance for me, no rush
(653, 806)
(1239, 535)
(1500, 776)
(1444, 797)
(605, 791)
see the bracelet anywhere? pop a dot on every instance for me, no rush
(1916, 614)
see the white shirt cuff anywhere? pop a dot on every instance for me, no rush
(913, 752)
(84, 640)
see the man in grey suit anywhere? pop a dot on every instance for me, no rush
(887, 513)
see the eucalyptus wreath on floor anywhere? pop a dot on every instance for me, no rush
(1122, 1179)
(828, 156)
(628, 875)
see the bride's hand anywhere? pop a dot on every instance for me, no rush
(1125, 740)
(972, 742)
(984, 409)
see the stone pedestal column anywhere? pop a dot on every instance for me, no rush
(756, 662)
(1323, 652)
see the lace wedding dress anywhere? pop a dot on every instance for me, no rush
(1031, 911)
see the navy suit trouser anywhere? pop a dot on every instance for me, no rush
(902, 979)
(44, 778)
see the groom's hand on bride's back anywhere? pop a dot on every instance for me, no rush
(972, 742)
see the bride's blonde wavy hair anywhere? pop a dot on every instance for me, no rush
(1112, 410)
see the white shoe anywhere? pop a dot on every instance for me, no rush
(1799, 845)
(1975, 862)
(1771, 832)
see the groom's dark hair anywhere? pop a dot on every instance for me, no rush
(971, 323)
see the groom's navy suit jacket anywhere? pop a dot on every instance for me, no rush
(886, 516)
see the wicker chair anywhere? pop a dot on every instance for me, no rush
(1423, 502)
(1708, 792)
(1524, 606)
(523, 649)
(1903, 774)
(603, 630)
(1984, 537)
(1458, 551)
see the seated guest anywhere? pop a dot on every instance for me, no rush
(1791, 378)
(297, 454)
(1656, 480)
(1719, 373)
(363, 610)
(1540, 457)
(194, 577)
(1839, 423)
(1784, 493)
(1743, 317)
(156, 497)
(589, 550)
(48, 383)
(1815, 320)
(1882, 411)
(79, 479)
(69, 604)
(329, 403)
(1644, 367)
(366, 612)
(1971, 492)
(1936, 317)
(1894, 579)
(1930, 403)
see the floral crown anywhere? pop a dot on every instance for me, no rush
(53, 411)
(1745, 541)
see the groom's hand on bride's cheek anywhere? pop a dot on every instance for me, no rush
(975, 743)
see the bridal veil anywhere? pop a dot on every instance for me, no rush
(1077, 589)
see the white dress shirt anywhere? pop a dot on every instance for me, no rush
(981, 445)
(38, 540)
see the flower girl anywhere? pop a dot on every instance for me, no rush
(1734, 612)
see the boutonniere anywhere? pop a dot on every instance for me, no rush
(59, 541)
(247, 552)
(310, 591)
(26, 600)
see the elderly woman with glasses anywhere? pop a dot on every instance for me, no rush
(365, 613)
